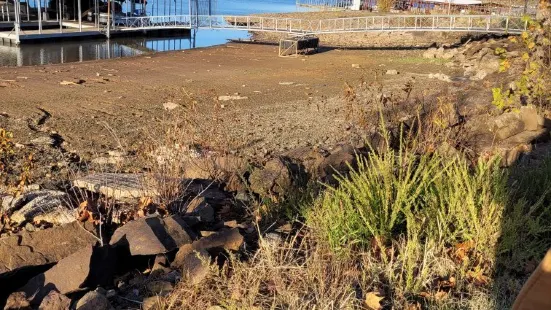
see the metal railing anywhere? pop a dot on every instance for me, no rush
(458, 23)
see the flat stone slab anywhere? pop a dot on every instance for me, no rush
(117, 185)
(153, 235)
(41, 247)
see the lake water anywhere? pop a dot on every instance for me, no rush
(75, 51)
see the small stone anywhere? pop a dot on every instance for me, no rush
(153, 302)
(392, 72)
(17, 301)
(229, 239)
(44, 141)
(356, 66)
(55, 301)
(159, 288)
(440, 76)
(199, 207)
(93, 301)
(111, 293)
(232, 97)
(169, 106)
(286, 83)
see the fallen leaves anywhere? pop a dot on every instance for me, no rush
(373, 301)
(477, 277)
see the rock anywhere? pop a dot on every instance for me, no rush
(232, 97)
(356, 66)
(153, 302)
(310, 158)
(274, 177)
(159, 288)
(169, 106)
(55, 301)
(439, 52)
(93, 301)
(430, 53)
(392, 72)
(73, 82)
(214, 167)
(160, 266)
(440, 76)
(526, 137)
(229, 239)
(88, 267)
(479, 75)
(489, 63)
(194, 265)
(286, 83)
(48, 206)
(44, 141)
(199, 207)
(507, 125)
(7, 202)
(337, 162)
(36, 248)
(17, 301)
(532, 120)
(449, 54)
(115, 160)
(153, 235)
(119, 186)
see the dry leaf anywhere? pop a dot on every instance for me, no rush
(415, 306)
(463, 249)
(373, 301)
(144, 202)
(83, 213)
(440, 295)
(478, 277)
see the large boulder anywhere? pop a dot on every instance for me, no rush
(89, 267)
(507, 125)
(153, 235)
(41, 247)
(194, 265)
(339, 161)
(274, 178)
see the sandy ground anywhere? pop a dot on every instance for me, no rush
(290, 102)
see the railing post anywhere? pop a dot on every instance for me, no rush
(507, 24)
(488, 23)
(433, 22)
(415, 26)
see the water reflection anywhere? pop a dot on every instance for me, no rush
(78, 51)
